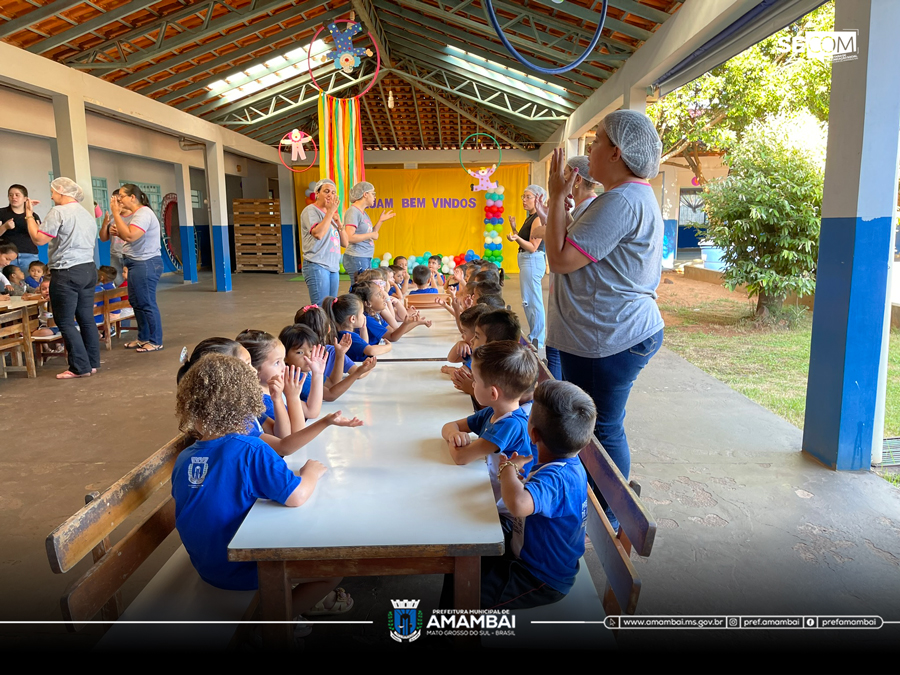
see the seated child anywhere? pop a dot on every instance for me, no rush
(482, 288)
(380, 321)
(299, 342)
(493, 267)
(461, 352)
(502, 372)
(36, 272)
(399, 282)
(546, 524)
(106, 278)
(457, 277)
(348, 316)
(8, 253)
(492, 301)
(500, 324)
(291, 383)
(422, 281)
(434, 269)
(315, 317)
(217, 480)
(45, 316)
(15, 278)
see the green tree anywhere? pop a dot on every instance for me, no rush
(711, 113)
(766, 213)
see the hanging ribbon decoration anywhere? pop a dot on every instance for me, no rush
(340, 141)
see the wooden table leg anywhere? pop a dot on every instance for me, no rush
(467, 591)
(275, 604)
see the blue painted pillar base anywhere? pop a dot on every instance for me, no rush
(288, 248)
(851, 292)
(221, 258)
(188, 255)
(670, 243)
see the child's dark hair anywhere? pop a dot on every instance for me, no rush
(107, 272)
(213, 345)
(400, 257)
(501, 324)
(340, 309)
(316, 318)
(9, 269)
(421, 274)
(365, 291)
(487, 266)
(294, 337)
(469, 317)
(435, 257)
(397, 269)
(488, 287)
(507, 365)
(491, 301)
(8, 248)
(487, 275)
(217, 397)
(564, 416)
(259, 343)
(37, 263)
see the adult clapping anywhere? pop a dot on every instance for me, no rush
(361, 234)
(322, 236)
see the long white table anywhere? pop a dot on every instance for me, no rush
(392, 501)
(422, 343)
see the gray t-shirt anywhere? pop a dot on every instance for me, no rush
(325, 251)
(148, 246)
(74, 232)
(358, 218)
(609, 304)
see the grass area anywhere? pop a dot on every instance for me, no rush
(768, 366)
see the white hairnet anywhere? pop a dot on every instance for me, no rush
(359, 190)
(634, 134)
(325, 181)
(583, 164)
(537, 191)
(68, 188)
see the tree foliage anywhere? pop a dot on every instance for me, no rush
(766, 213)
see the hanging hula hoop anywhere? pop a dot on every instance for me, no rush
(492, 17)
(377, 61)
(290, 168)
(478, 133)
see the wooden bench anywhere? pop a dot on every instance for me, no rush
(176, 592)
(114, 300)
(426, 300)
(622, 588)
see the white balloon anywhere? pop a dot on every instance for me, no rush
(496, 240)
(384, 263)
(386, 256)
(452, 264)
(445, 269)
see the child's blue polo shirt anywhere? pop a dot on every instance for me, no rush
(419, 291)
(356, 351)
(348, 363)
(214, 484)
(550, 542)
(509, 434)
(377, 327)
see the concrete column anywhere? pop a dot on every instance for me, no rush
(72, 149)
(288, 219)
(669, 208)
(855, 248)
(635, 99)
(218, 215)
(186, 223)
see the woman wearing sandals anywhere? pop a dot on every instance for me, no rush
(70, 231)
(143, 260)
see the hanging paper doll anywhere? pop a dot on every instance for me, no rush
(344, 54)
(296, 140)
(484, 178)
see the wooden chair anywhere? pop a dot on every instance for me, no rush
(15, 337)
(426, 300)
(115, 300)
(176, 593)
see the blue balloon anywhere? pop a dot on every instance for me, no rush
(499, 221)
(487, 221)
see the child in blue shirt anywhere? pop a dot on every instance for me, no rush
(301, 347)
(502, 372)
(461, 352)
(348, 316)
(546, 524)
(106, 277)
(434, 269)
(423, 281)
(36, 272)
(374, 301)
(217, 480)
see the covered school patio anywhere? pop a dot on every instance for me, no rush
(753, 516)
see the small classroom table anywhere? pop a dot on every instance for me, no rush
(33, 308)
(426, 344)
(392, 502)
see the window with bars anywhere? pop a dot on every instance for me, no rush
(196, 199)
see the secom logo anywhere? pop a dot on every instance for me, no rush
(837, 45)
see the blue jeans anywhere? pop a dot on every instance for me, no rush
(354, 265)
(72, 299)
(553, 363)
(143, 278)
(608, 382)
(320, 281)
(532, 267)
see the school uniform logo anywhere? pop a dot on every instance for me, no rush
(197, 470)
(405, 621)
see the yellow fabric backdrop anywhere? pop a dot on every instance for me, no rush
(426, 223)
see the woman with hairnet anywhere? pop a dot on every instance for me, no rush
(603, 314)
(532, 264)
(71, 232)
(361, 234)
(321, 237)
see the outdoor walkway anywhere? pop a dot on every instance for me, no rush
(747, 524)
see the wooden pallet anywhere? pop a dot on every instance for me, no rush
(257, 235)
